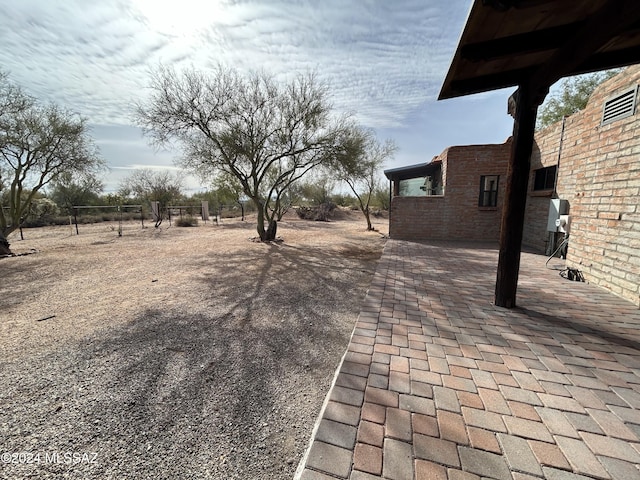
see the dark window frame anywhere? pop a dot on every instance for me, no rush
(545, 178)
(488, 197)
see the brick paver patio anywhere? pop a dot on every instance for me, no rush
(438, 383)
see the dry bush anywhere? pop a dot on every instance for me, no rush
(319, 213)
(188, 221)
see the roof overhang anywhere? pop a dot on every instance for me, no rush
(413, 171)
(508, 43)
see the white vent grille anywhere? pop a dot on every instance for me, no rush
(620, 106)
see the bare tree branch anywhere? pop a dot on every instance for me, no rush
(264, 134)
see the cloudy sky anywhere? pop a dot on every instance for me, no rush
(384, 60)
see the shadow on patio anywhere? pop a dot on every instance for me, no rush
(439, 383)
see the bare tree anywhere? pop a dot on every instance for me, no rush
(37, 144)
(152, 185)
(265, 134)
(359, 164)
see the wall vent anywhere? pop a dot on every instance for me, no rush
(620, 106)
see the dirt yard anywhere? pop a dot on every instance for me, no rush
(182, 353)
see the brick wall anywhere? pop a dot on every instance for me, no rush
(418, 218)
(599, 174)
(456, 214)
(544, 154)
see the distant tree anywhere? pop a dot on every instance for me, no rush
(112, 199)
(38, 143)
(228, 189)
(147, 185)
(344, 199)
(572, 96)
(381, 197)
(71, 189)
(318, 189)
(359, 165)
(315, 197)
(41, 210)
(264, 134)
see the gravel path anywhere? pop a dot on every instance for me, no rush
(175, 353)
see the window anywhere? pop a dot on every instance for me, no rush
(545, 178)
(488, 191)
(620, 106)
(412, 187)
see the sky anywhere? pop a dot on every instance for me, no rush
(385, 62)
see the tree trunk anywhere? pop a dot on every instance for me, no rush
(367, 215)
(271, 231)
(260, 227)
(4, 246)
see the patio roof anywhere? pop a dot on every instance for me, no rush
(507, 42)
(413, 171)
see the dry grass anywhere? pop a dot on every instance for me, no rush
(209, 352)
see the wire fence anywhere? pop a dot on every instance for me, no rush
(122, 218)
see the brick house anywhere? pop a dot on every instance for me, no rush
(590, 161)
(456, 195)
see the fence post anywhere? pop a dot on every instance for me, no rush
(119, 221)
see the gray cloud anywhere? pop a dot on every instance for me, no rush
(383, 60)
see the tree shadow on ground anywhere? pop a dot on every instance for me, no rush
(225, 383)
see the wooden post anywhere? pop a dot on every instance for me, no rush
(119, 221)
(526, 108)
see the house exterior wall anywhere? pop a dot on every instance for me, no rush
(455, 215)
(599, 175)
(544, 154)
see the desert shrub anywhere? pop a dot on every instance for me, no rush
(88, 219)
(319, 213)
(60, 220)
(187, 221)
(344, 199)
(36, 222)
(41, 212)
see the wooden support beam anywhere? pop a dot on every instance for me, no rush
(515, 198)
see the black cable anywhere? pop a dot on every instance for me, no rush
(564, 242)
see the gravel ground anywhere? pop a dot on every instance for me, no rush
(176, 352)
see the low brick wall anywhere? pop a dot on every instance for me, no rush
(418, 218)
